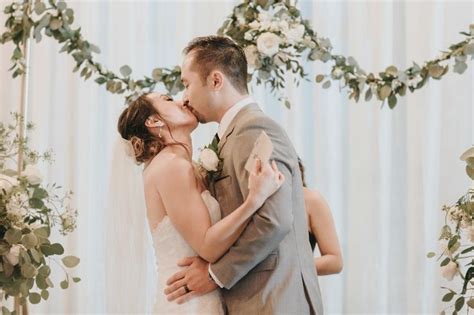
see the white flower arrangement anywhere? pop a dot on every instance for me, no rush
(28, 213)
(209, 163)
(274, 37)
(209, 160)
(456, 243)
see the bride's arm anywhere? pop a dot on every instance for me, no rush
(186, 209)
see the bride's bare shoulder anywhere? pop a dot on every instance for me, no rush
(166, 166)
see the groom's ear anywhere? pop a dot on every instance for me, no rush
(216, 79)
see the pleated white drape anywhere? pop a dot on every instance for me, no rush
(385, 173)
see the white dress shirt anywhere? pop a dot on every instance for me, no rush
(231, 113)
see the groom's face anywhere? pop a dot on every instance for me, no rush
(196, 93)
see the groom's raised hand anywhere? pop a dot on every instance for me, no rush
(191, 281)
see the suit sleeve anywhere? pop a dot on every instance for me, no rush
(272, 222)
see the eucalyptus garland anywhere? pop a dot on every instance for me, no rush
(54, 19)
(275, 38)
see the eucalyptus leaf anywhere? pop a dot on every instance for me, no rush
(70, 261)
(28, 271)
(55, 24)
(41, 282)
(467, 154)
(4, 247)
(392, 70)
(431, 255)
(40, 7)
(470, 303)
(320, 78)
(470, 162)
(392, 101)
(448, 297)
(34, 298)
(29, 240)
(49, 282)
(64, 284)
(384, 92)
(469, 49)
(436, 71)
(62, 5)
(36, 203)
(13, 236)
(460, 67)
(100, 80)
(458, 305)
(470, 172)
(42, 232)
(45, 294)
(445, 261)
(40, 193)
(44, 270)
(125, 71)
(368, 95)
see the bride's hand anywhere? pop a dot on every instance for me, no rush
(264, 181)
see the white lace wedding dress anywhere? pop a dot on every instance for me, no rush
(170, 247)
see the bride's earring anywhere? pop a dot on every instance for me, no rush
(160, 125)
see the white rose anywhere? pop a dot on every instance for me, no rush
(295, 34)
(13, 255)
(251, 53)
(268, 44)
(209, 160)
(7, 183)
(449, 271)
(255, 25)
(32, 174)
(16, 205)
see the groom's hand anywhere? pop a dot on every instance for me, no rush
(195, 277)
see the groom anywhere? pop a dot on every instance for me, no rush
(270, 268)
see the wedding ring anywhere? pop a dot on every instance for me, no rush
(186, 288)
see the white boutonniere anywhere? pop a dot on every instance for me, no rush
(210, 162)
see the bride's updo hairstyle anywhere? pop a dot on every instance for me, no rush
(131, 126)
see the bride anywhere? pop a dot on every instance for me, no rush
(183, 217)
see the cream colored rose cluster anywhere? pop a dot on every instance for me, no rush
(276, 36)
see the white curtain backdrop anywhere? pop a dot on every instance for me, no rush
(385, 173)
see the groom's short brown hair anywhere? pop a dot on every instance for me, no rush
(222, 53)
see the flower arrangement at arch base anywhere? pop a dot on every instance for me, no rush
(28, 213)
(457, 246)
